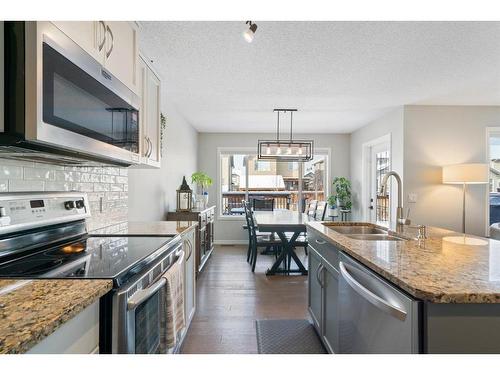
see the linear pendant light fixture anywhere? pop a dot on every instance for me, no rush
(285, 150)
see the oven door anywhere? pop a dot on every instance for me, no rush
(79, 105)
(138, 308)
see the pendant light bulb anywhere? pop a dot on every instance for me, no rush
(250, 33)
(289, 150)
(278, 151)
(268, 150)
(299, 151)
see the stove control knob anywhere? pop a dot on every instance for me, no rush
(80, 203)
(69, 205)
(3, 212)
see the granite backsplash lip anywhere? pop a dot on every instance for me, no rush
(434, 270)
(31, 311)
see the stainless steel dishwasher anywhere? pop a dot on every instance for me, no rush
(374, 316)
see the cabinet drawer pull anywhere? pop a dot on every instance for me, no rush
(318, 271)
(320, 242)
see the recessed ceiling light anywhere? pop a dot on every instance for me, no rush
(250, 33)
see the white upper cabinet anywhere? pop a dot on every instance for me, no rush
(150, 115)
(121, 51)
(85, 34)
(112, 43)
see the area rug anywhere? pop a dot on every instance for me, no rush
(287, 337)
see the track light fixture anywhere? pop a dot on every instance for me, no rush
(250, 33)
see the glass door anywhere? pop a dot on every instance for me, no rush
(380, 164)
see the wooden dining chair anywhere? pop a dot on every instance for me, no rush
(259, 241)
(311, 209)
(321, 208)
(263, 204)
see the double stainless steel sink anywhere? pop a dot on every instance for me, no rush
(364, 232)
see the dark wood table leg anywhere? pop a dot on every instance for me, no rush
(287, 250)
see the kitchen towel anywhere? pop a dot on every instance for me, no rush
(172, 319)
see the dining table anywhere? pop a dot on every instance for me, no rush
(288, 225)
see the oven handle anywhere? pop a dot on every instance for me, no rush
(143, 294)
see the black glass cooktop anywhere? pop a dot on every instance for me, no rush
(117, 258)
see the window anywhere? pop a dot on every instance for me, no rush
(244, 177)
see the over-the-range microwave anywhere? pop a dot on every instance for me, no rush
(59, 104)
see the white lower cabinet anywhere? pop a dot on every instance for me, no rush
(80, 335)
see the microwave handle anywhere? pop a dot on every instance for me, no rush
(144, 294)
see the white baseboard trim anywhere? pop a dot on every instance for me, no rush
(230, 242)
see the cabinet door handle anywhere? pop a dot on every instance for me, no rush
(103, 41)
(147, 147)
(320, 242)
(371, 297)
(188, 244)
(318, 271)
(150, 147)
(108, 30)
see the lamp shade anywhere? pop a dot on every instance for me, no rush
(474, 173)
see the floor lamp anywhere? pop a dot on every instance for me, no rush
(465, 174)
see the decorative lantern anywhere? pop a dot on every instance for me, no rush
(184, 197)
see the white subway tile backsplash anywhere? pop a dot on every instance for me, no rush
(24, 185)
(39, 174)
(105, 186)
(11, 172)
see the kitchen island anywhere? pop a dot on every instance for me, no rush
(32, 310)
(452, 287)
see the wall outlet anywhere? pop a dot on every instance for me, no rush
(412, 197)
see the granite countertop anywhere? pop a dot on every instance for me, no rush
(147, 228)
(31, 310)
(439, 269)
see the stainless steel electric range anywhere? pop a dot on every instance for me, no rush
(44, 236)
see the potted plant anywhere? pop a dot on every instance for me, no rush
(342, 195)
(332, 204)
(203, 181)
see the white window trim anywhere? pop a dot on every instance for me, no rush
(489, 131)
(366, 175)
(251, 150)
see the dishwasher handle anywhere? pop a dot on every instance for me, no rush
(375, 300)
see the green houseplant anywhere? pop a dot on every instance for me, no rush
(342, 195)
(202, 180)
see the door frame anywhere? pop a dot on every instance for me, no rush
(366, 174)
(489, 130)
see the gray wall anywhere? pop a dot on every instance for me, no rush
(391, 123)
(152, 192)
(230, 230)
(441, 135)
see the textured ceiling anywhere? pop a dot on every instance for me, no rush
(340, 75)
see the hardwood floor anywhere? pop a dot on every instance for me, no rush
(230, 298)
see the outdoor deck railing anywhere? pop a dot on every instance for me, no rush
(232, 200)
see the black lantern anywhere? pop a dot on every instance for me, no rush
(184, 197)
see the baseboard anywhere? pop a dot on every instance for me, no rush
(230, 242)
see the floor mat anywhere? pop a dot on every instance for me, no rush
(287, 337)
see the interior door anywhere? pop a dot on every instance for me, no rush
(380, 209)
